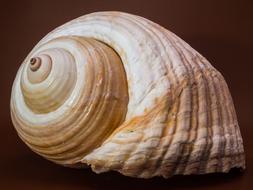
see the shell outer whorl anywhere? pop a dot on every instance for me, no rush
(118, 92)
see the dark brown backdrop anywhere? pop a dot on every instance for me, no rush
(221, 30)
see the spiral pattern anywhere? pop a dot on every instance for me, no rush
(43, 93)
(65, 100)
(118, 92)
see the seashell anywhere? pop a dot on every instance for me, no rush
(116, 91)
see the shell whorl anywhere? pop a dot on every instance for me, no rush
(66, 100)
(119, 92)
(45, 88)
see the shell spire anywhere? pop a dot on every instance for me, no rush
(118, 92)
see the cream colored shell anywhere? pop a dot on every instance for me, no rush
(118, 92)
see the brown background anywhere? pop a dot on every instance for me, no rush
(221, 30)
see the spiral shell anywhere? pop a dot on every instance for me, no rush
(118, 92)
